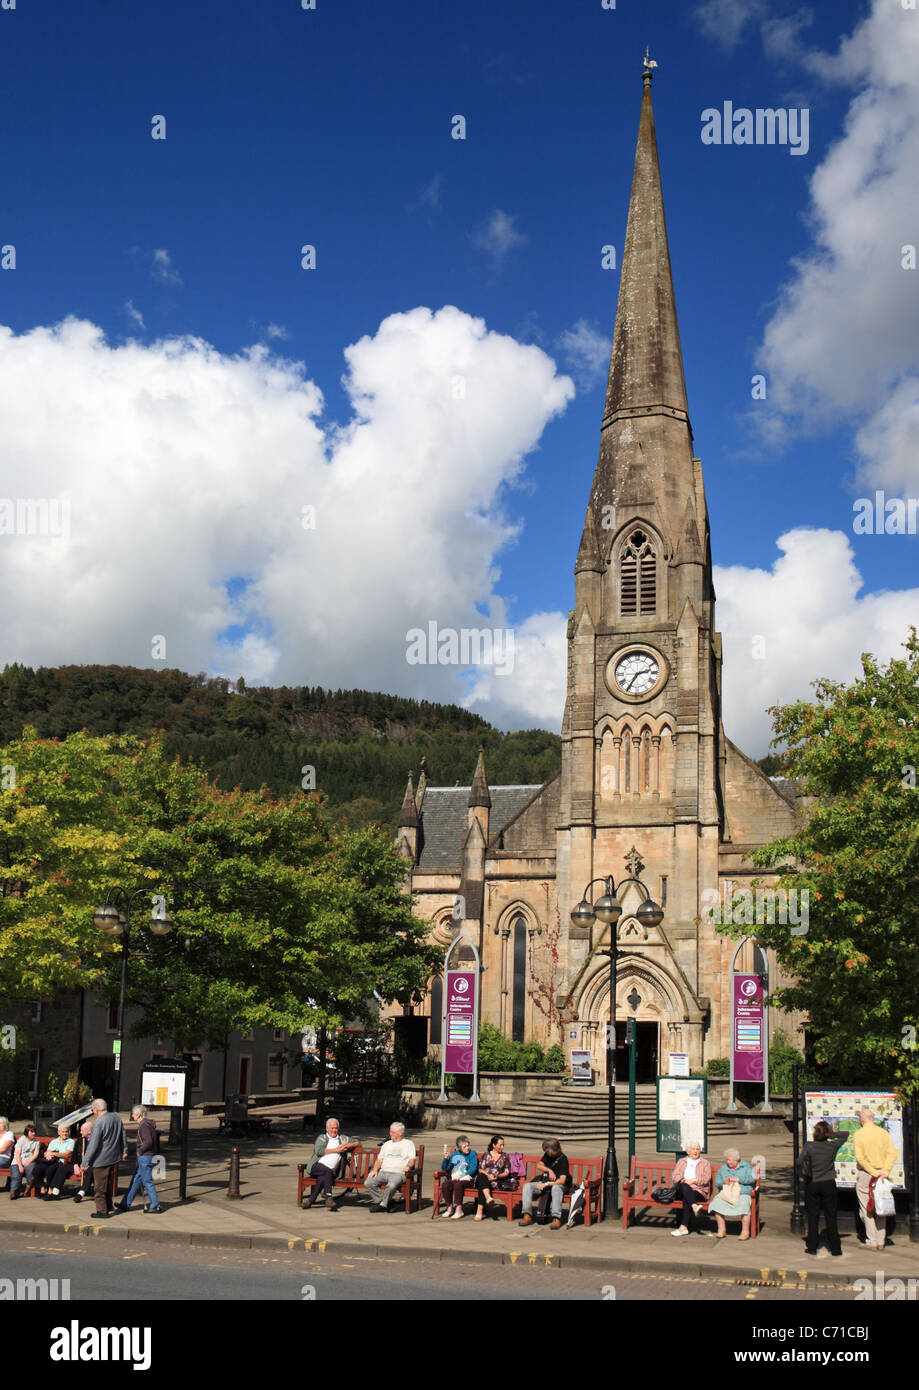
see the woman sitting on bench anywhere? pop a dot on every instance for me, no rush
(692, 1178)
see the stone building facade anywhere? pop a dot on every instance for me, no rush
(650, 787)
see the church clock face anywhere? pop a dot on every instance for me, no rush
(636, 673)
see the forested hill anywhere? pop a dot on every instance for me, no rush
(361, 744)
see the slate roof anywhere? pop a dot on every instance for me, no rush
(444, 816)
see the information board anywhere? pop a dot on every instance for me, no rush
(162, 1087)
(461, 1021)
(840, 1111)
(749, 1019)
(581, 1070)
(682, 1114)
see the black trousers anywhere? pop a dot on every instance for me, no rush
(689, 1195)
(821, 1196)
(324, 1176)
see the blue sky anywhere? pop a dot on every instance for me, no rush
(333, 128)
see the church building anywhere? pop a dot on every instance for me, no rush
(650, 787)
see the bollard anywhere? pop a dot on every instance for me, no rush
(233, 1185)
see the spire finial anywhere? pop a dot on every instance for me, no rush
(649, 65)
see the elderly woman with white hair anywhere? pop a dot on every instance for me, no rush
(692, 1178)
(734, 1182)
(7, 1144)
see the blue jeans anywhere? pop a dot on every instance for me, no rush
(18, 1179)
(143, 1177)
(531, 1196)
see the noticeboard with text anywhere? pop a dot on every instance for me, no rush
(163, 1087)
(682, 1113)
(840, 1111)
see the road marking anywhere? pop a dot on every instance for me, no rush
(138, 1256)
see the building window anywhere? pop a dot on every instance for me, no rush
(437, 1010)
(111, 1022)
(34, 1070)
(519, 997)
(36, 1011)
(638, 576)
(194, 1070)
(663, 890)
(279, 1035)
(276, 1071)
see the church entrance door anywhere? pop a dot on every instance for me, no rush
(646, 1053)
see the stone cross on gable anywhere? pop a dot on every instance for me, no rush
(633, 863)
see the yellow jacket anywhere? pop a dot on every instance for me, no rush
(875, 1151)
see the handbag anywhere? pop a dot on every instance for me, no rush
(804, 1165)
(730, 1192)
(664, 1195)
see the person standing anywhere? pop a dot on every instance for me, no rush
(817, 1162)
(875, 1156)
(147, 1148)
(84, 1175)
(107, 1146)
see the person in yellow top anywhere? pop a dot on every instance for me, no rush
(875, 1155)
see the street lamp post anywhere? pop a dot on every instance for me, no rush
(115, 921)
(609, 909)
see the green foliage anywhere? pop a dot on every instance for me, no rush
(500, 1053)
(75, 1093)
(282, 920)
(855, 750)
(54, 1094)
(717, 1067)
(782, 1057)
(360, 743)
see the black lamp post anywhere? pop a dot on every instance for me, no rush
(609, 909)
(115, 921)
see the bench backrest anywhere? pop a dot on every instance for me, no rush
(582, 1169)
(648, 1174)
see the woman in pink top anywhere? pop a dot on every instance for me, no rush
(692, 1178)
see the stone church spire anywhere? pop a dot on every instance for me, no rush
(646, 367)
(645, 466)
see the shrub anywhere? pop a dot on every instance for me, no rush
(718, 1067)
(74, 1092)
(554, 1059)
(782, 1057)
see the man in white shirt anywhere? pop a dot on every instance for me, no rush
(392, 1165)
(328, 1152)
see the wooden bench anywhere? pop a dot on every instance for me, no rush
(353, 1176)
(28, 1189)
(583, 1170)
(648, 1174)
(237, 1116)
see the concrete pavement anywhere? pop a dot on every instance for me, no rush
(267, 1218)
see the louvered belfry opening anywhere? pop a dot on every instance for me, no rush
(638, 576)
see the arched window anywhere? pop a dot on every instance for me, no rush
(519, 996)
(638, 576)
(437, 1009)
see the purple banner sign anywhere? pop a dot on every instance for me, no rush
(749, 1021)
(459, 1036)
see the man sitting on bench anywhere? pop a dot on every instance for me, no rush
(391, 1167)
(554, 1172)
(328, 1152)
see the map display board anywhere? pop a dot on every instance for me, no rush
(162, 1087)
(682, 1113)
(840, 1110)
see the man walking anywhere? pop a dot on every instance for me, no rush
(391, 1167)
(107, 1146)
(875, 1156)
(147, 1149)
